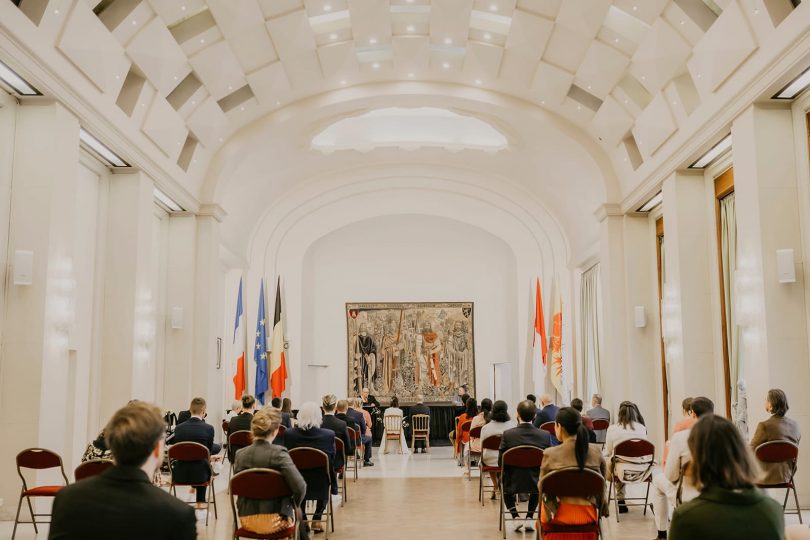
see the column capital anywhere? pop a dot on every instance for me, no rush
(212, 210)
(608, 210)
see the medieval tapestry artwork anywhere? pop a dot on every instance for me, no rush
(408, 349)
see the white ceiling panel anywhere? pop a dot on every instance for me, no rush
(270, 84)
(551, 83)
(176, 10)
(165, 127)
(411, 54)
(500, 7)
(529, 33)
(517, 68)
(611, 122)
(321, 7)
(566, 49)
(292, 34)
(209, 123)
(274, 8)
(450, 19)
(218, 69)
(654, 126)
(371, 20)
(159, 56)
(602, 67)
(661, 55)
(544, 8)
(339, 61)
(482, 61)
(644, 10)
(132, 24)
(583, 17)
(304, 71)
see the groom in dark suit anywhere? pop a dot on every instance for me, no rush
(122, 502)
(195, 430)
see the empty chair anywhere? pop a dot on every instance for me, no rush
(37, 459)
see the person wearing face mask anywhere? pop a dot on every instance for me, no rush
(122, 499)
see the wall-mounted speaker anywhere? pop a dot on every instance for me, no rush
(23, 267)
(785, 266)
(640, 317)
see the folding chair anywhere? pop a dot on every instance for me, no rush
(264, 484)
(781, 452)
(353, 462)
(493, 442)
(681, 476)
(393, 431)
(92, 467)
(573, 482)
(340, 450)
(38, 459)
(236, 441)
(463, 429)
(518, 457)
(475, 433)
(633, 449)
(550, 428)
(190, 452)
(420, 430)
(312, 459)
(601, 425)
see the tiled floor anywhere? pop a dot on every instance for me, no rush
(420, 497)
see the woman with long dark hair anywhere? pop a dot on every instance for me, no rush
(479, 421)
(470, 412)
(629, 425)
(574, 451)
(729, 506)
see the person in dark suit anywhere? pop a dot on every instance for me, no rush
(309, 434)
(330, 421)
(547, 413)
(341, 413)
(776, 428)
(522, 480)
(368, 399)
(195, 430)
(356, 412)
(263, 454)
(122, 502)
(419, 408)
(240, 422)
(182, 416)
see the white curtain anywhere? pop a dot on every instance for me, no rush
(590, 310)
(728, 249)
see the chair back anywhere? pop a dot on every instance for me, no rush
(777, 452)
(39, 459)
(259, 484)
(600, 424)
(420, 422)
(493, 442)
(358, 437)
(523, 457)
(188, 451)
(281, 430)
(549, 427)
(475, 433)
(634, 448)
(92, 467)
(572, 482)
(393, 424)
(225, 425)
(240, 438)
(340, 448)
(465, 428)
(306, 458)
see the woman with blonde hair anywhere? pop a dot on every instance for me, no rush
(267, 516)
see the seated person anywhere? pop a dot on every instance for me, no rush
(236, 408)
(597, 412)
(268, 516)
(286, 413)
(342, 413)
(682, 425)
(574, 451)
(470, 412)
(665, 483)
(122, 502)
(368, 400)
(499, 422)
(777, 427)
(341, 429)
(241, 422)
(195, 430)
(365, 430)
(515, 480)
(97, 449)
(419, 408)
(729, 505)
(577, 404)
(308, 434)
(479, 421)
(547, 413)
(627, 427)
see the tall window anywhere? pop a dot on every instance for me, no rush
(591, 312)
(727, 257)
(662, 280)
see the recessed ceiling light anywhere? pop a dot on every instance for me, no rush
(372, 41)
(493, 7)
(101, 150)
(410, 75)
(543, 102)
(221, 139)
(327, 7)
(478, 81)
(376, 65)
(579, 107)
(795, 87)
(410, 28)
(674, 102)
(193, 102)
(134, 22)
(683, 22)
(616, 40)
(333, 36)
(756, 12)
(182, 8)
(448, 41)
(652, 203)
(17, 83)
(278, 103)
(119, 76)
(143, 104)
(446, 65)
(589, 87)
(643, 78)
(487, 36)
(626, 101)
(699, 75)
(56, 12)
(230, 87)
(635, 8)
(714, 152)
(166, 201)
(242, 108)
(410, 1)
(202, 40)
(343, 82)
(175, 77)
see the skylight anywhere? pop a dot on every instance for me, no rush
(409, 129)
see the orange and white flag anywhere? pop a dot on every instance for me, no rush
(556, 372)
(540, 343)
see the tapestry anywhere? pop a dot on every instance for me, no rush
(407, 349)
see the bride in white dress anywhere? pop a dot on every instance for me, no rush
(394, 410)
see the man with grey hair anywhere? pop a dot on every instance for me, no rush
(419, 408)
(598, 413)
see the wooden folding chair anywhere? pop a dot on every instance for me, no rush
(393, 431)
(420, 430)
(781, 452)
(37, 459)
(186, 452)
(263, 484)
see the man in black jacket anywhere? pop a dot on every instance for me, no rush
(122, 502)
(240, 422)
(342, 413)
(195, 430)
(330, 421)
(419, 408)
(522, 480)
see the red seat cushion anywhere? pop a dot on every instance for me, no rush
(339, 471)
(43, 491)
(488, 468)
(244, 533)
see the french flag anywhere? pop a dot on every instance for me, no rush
(239, 333)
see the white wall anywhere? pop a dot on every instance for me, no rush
(400, 259)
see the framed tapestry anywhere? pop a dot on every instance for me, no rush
(407, 349)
